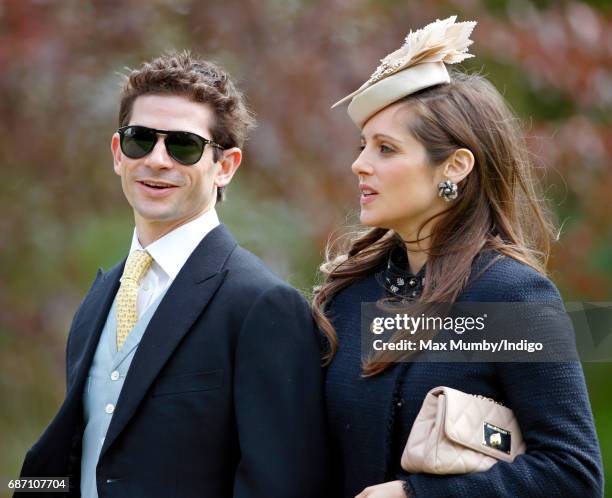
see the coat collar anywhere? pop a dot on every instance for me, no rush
(184, 301)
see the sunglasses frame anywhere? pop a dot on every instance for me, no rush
(205, 141)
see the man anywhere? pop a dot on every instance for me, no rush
(192, 370)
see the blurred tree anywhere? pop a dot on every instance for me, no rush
(64, 213)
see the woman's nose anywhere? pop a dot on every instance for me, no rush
(362, 166)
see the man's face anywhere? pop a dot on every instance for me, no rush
(164, 193)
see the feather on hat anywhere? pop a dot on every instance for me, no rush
(419, 63)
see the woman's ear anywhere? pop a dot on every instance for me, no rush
(459, 165)
(229, 164)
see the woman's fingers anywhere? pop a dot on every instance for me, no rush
(392, 489)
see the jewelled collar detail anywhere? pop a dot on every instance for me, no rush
(397, 279)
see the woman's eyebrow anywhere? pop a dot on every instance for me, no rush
(382, 136)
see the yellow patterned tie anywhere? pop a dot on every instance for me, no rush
(136, 266)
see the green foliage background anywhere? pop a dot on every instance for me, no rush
(63, 210)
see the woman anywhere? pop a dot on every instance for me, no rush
(447, 191)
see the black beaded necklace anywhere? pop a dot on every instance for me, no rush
(398, 280)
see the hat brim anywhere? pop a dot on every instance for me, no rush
(395, 87)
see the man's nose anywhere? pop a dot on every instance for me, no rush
(158, 157)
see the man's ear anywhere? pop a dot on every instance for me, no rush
(229, 164)
(459, 165)
(116, 150)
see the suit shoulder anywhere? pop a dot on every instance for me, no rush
(497, 277)
(248, 275)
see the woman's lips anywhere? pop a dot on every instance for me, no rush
(368, 194)
(367, 198)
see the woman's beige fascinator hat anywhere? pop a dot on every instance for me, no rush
(419, 63)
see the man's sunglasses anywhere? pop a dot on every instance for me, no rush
(185, 147)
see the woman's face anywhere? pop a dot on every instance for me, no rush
(399, 187)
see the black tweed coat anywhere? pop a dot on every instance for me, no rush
(371, 417)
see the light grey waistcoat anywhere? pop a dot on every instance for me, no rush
(104, 383)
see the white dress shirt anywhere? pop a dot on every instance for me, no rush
(169, 254)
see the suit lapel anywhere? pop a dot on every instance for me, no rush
(58, 439)
(90, 322)
(184, 301)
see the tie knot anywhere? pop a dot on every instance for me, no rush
(136, 266)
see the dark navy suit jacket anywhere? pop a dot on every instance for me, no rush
(223, 397)
(372, 417)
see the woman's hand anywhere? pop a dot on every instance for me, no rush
(392, 489)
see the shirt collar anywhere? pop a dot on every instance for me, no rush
(172, 250)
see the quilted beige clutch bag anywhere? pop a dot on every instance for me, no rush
(459, 433)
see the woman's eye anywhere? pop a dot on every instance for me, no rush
(385, 149)
(361, 147)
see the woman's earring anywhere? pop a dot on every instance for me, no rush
(447, 190)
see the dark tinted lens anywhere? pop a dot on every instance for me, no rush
(137, 141)
(185, 147)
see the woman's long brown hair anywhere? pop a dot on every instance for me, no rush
(499, 205)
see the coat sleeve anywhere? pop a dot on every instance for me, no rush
(278, 399)
(551, 404)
